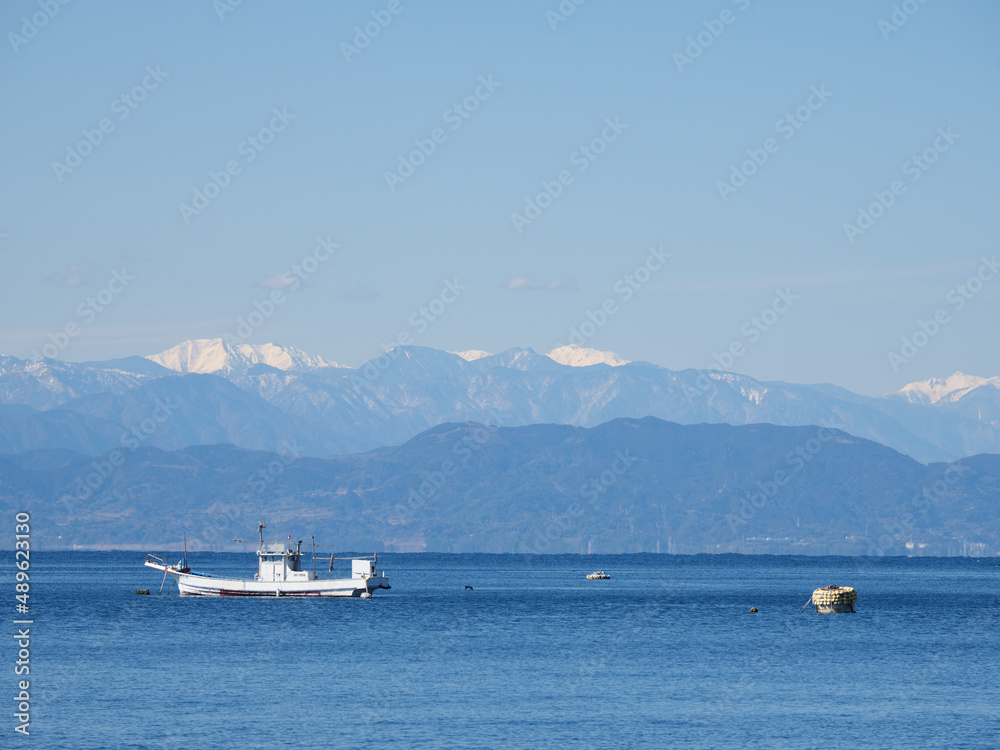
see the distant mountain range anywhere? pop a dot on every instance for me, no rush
(218, 356)
(625, 486)
(261, 396)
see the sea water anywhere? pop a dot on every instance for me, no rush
(664, 654)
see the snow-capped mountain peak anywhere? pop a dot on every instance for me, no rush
(947, 389)
(472, 354)
(215, 355)
(579, 356)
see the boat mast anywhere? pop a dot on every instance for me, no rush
(260, 531)
(314, 555)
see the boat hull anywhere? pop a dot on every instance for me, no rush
(194, 584)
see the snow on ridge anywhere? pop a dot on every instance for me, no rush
(579, 356)
(471, 355)
(947, 389)
(214, 355)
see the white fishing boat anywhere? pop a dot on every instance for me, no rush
(279, 573)
(598, 575)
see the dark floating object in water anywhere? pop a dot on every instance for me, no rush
(470, 588)
(753, 609)
(144, 592)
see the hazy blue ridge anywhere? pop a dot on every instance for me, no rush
(628, 485)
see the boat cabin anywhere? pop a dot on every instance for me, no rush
(276, 562)
(279, 562)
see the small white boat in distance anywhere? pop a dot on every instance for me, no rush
(598, 575)
(279, 573)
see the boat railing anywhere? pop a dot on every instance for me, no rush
(155, 559)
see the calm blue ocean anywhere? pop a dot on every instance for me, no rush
(665, 654)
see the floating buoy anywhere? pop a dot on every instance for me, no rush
(753, 609)
(144, 592)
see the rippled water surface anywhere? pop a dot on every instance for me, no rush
(665, 654)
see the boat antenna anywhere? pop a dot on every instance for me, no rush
(260, 531)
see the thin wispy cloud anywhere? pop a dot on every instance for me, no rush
(558, 284)
(76, 274)
(87, 272)
(281, 281)
(360, 291)
(823, 279)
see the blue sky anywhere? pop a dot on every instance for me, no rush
(863, 99)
